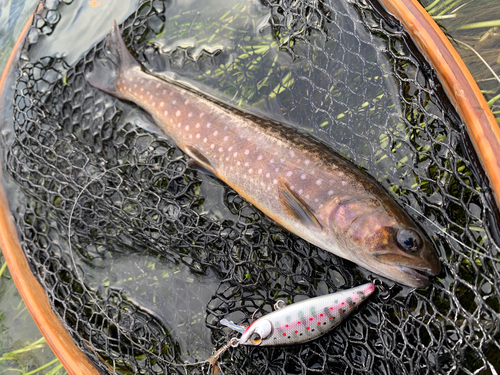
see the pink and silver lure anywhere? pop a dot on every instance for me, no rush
(304, 321)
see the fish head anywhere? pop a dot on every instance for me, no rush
(257, 332)
(381, 237)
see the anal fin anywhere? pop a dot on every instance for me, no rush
(198, 160)
(295, 206)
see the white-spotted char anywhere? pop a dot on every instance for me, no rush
(295, 180)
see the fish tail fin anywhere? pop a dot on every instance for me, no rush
(115, 63)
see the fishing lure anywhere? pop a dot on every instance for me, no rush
(299, 322)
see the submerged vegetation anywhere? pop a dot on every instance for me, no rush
(474, 29)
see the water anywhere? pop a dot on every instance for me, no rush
(17, 329)
(477, 45)
(169, 291)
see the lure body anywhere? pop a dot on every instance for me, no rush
(293, 179)
(304, 321)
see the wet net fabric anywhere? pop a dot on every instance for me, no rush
(94, 187)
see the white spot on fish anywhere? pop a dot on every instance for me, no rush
(208, 124)
(303, 176)
(202, 114)
(148, 93)
(220, 149)
(330, 192)
(289, 173)
(190, 136)
(277, 170)
(197, 125)
(215, 133)
(230, 148)
(292, 154)
(262, 183)
(179, 125)
(164, 92)
(235, 154)
(158, 85)
(171, 93)
(250, 170)
(225, 138)
(246, 164)
(343, 183)
(162, 104)
(300, 191)
(142, 88)
(165, 113)
(186, 102)
(268, 188)
(190, 114)
(212, 146)
(247, 152)
(204, 140)
(238, 163)
(268, 175)
(178, 113)
(173, 102)
(259, 157)
(187, 127)
(316, 200)
(259, 171)
(275, 181)
(271, 161)
(318, 182)
(198, 135)
(307, 196)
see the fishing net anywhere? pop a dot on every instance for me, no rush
(141, 257)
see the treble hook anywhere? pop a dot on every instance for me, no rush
(233, 343)
(384, 293)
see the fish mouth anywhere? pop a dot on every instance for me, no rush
(422, 275)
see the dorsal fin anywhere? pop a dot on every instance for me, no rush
(199, 159)
(296, 207)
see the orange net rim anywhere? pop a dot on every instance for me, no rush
(32, 293)
(458, 83)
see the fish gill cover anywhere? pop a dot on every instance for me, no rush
(141, 257)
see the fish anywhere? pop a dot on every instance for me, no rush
(302, 321)
(294, 179)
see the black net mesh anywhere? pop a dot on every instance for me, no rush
(141, 256)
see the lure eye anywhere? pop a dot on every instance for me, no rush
(408, 240)
(255, 338)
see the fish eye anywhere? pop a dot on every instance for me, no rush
(255, 338)
(408, 240)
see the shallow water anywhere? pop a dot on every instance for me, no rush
(17, 328)
(166, 290)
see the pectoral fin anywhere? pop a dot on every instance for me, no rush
(199, 160)
(296, 207)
